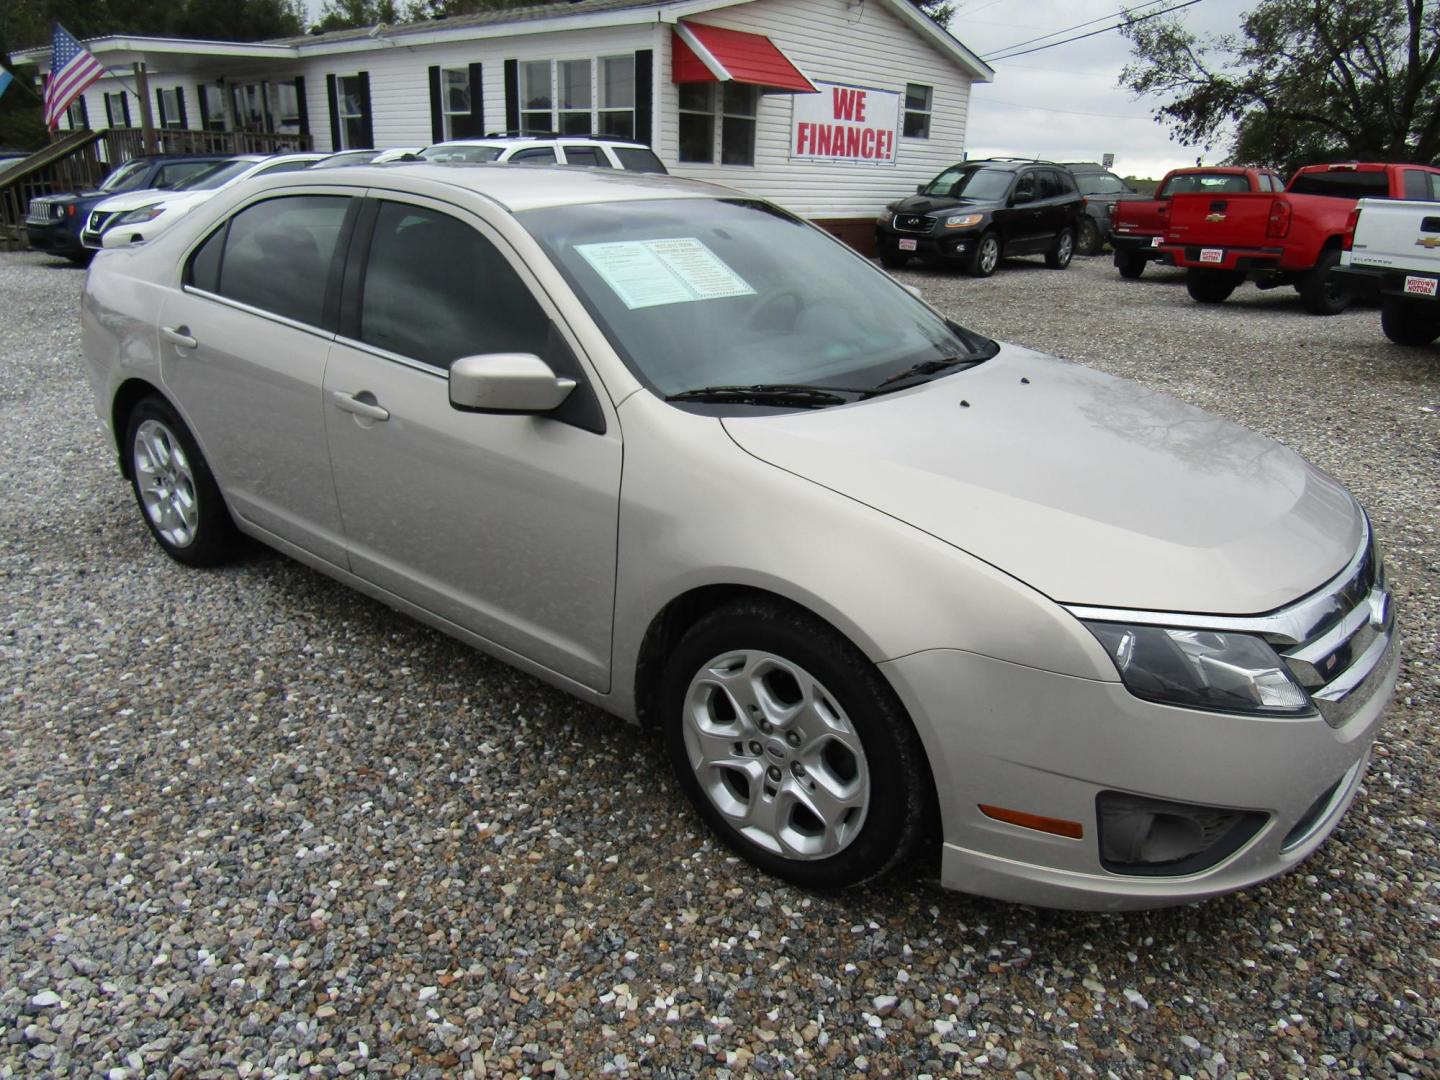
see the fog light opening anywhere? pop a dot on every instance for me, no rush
(1139, 835)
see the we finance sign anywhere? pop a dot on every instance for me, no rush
(845, 123)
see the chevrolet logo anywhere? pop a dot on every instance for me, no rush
(1214, 217)
(1428, 242)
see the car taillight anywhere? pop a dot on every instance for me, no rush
(1279, 223)
(1349, 242)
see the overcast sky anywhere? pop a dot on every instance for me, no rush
(1064, 103)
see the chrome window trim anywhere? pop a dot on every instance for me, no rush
(283, 320)
(398, 358)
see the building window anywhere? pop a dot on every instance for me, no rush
(579, 97)
(117, 110)
(456, 105)
(75, 115)
(918, 103)
(721, 113)
(350, 95)
(212, 108)
(616, 110)
(536, 97)
(170, 115)
(285, 107)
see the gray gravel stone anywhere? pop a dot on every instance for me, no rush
(249, 819)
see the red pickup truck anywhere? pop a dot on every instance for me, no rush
(1139, 227)
(1293, 238)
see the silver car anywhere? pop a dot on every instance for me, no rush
(880, 583)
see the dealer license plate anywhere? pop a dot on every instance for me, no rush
(1212, 255)
(1156, 241)
(909, 245)
(1420, 286)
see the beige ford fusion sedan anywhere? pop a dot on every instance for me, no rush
(883, 585)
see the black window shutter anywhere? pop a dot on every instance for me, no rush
(125, 106)
(331, 93)
(202, 99)
(477, 100)
(367, 122)
(109, 111)
(304, 106)
(512, 95)
(84, 113)
(180, 98)
(644, 95)
(437, 106)
(160, 105)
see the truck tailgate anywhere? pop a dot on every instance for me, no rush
(1145, 217)
(1402, 235)
(1220, 221)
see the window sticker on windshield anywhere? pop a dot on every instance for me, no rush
(648, 273)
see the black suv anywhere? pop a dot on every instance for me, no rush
(977, 212)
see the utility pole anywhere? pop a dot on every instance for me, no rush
(147, 122)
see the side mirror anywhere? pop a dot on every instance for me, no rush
(506, 383)
(1022, 197)
(120, 238)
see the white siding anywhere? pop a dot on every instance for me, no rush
(862, 44)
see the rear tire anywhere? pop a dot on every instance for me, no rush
(1058, 257)
(1320, 289)
(1210, 286)
(985, 259)
(178, 497)
(1088, 241)
(792, 747)
(1409, 323)
(1129, 264)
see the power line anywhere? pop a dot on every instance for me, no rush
(1078, 26)
(1092, 33)
(1068, 112)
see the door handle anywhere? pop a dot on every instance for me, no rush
(179, 335)
(352, 404)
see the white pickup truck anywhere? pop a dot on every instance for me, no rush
(1392, 251)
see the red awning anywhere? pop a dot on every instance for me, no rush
(712, 54)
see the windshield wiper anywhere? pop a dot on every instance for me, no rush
(925, 367)
(805, 397)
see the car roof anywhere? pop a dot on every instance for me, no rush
(519, 187)
(999, 163)
(511, 140)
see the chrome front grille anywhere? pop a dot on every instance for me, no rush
(913, 223)
(41, 210)
(1344, 638)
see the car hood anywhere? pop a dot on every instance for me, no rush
(928, 204)
(133, 200)
(1092, 489)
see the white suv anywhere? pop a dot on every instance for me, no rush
(604, 153)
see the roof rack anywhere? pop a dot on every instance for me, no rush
(1002, 157)
(531, 134)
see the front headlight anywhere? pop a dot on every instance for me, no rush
(963, 221)
(1202, 669)
(140, 215)
(884, 218)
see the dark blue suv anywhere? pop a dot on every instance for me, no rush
(53, 222)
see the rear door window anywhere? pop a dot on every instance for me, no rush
(274, 255)
(1417, 185)
(586, 155)
(638, 159)
(538, 155)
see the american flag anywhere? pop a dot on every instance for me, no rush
(72, 69)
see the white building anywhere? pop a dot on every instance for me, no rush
(829, 107)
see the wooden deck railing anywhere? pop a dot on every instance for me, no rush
(121, 144)
(70, 163)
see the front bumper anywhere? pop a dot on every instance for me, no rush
(952, 244)
(1010, 736)
(55, 237)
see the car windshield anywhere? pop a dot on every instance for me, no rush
(220, 173)
(701, 293)
(461, 153)
(127, 177)
(960, 182)
(1100, 184)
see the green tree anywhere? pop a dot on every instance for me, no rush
(1302, 80)
(349, 14)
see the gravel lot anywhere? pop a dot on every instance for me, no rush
(254, 824)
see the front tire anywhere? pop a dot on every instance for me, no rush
(177, 493)
(1210, 286)
(792, 747)
(1320, 290)
(1058, 257)
(985, 259)
(1088, 242)
(1407, 323)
